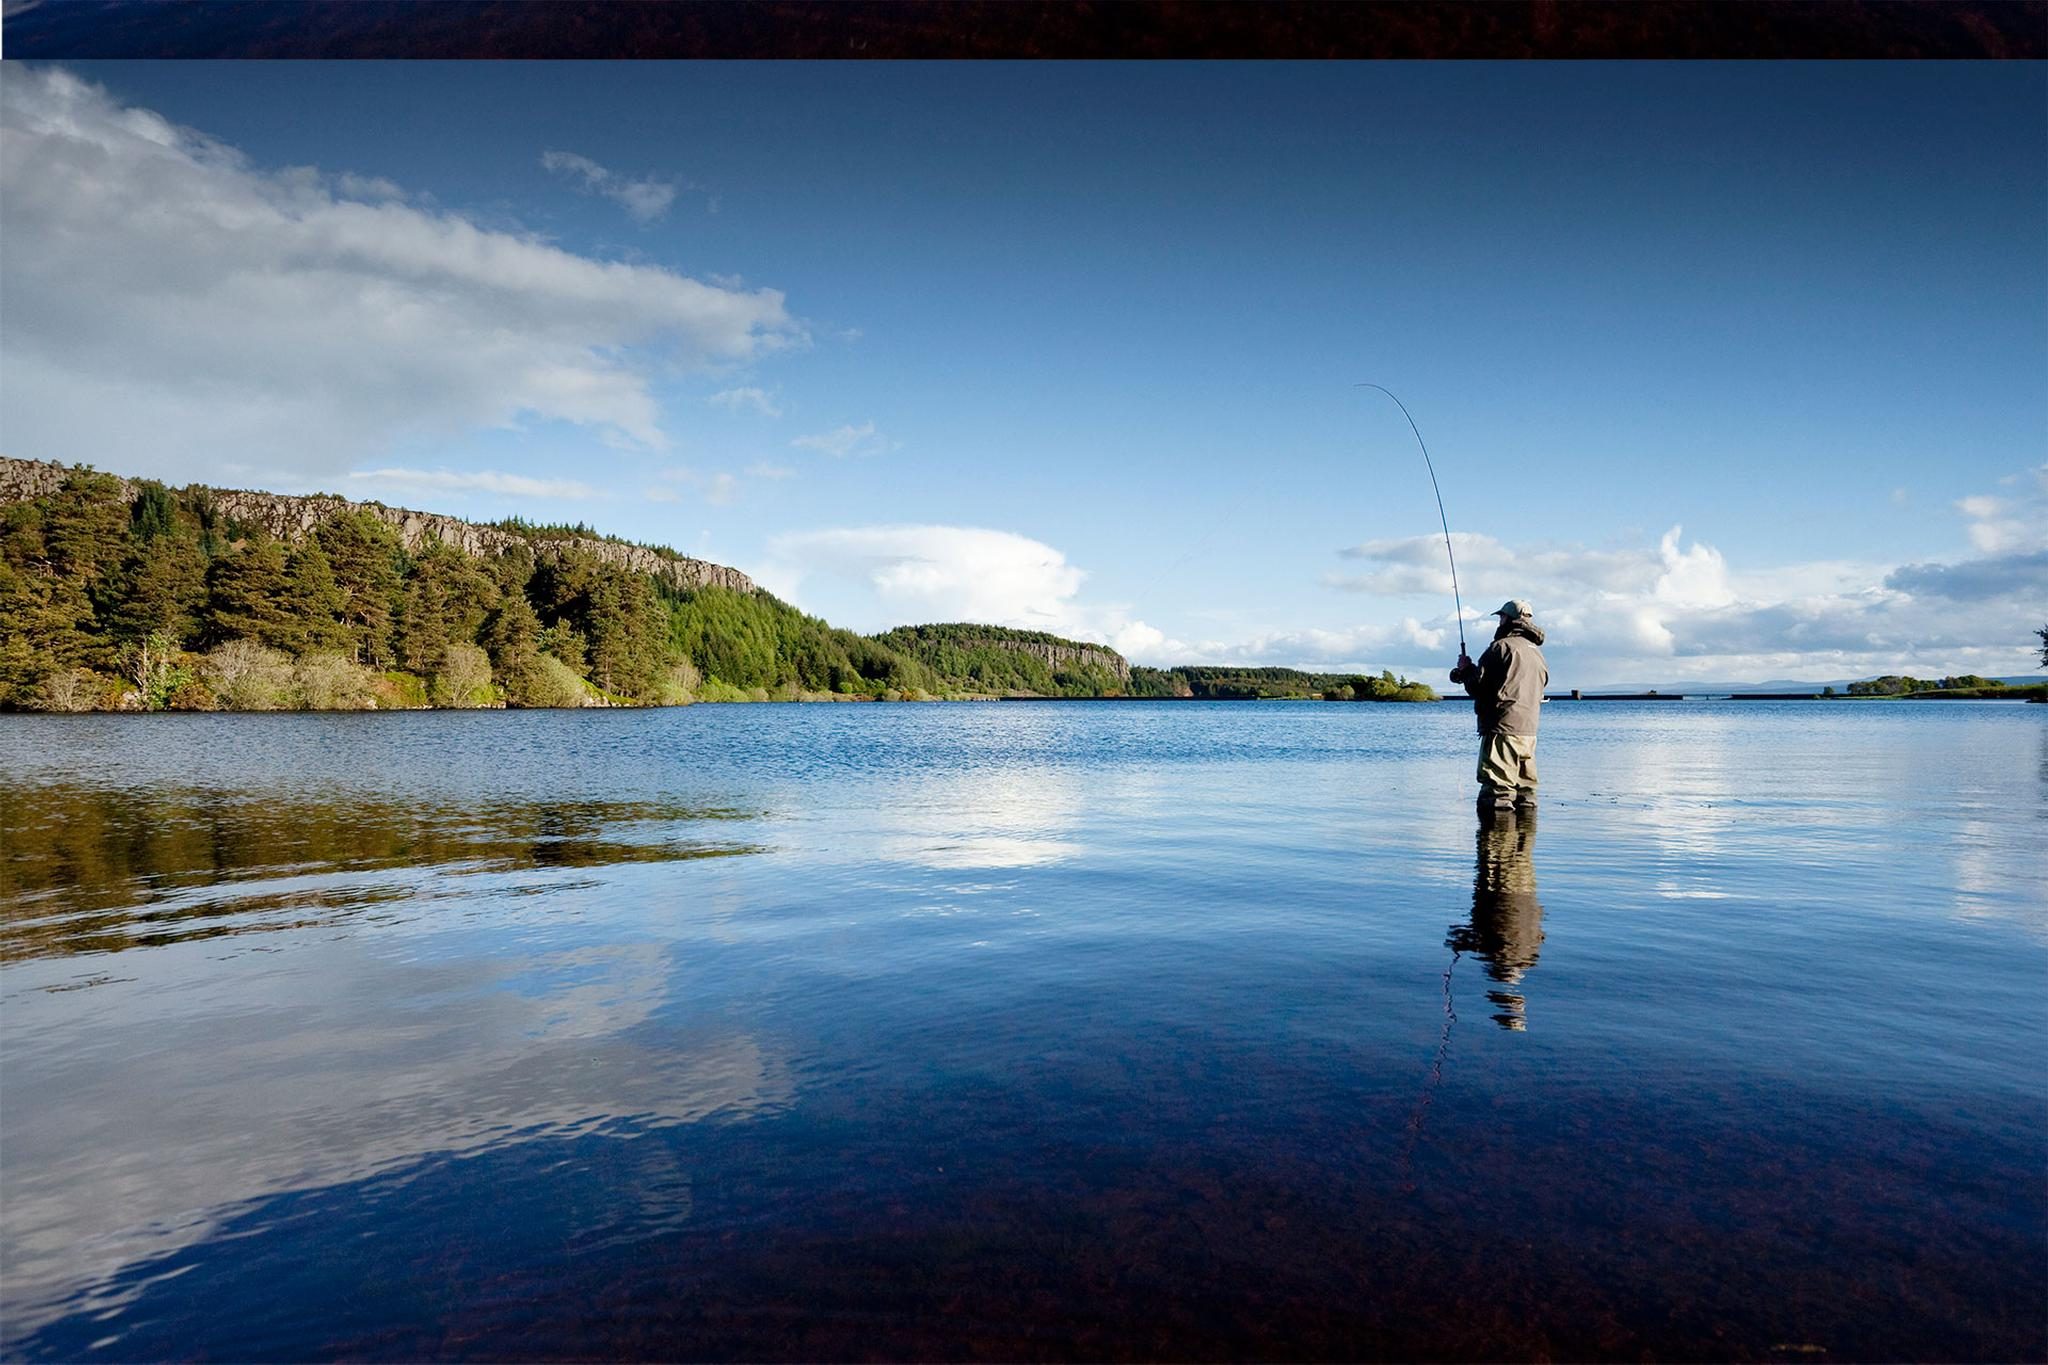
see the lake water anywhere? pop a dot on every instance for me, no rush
(1025, 1030)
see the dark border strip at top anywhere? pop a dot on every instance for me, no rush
(866, 29)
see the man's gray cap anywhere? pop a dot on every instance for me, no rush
(1515, 609)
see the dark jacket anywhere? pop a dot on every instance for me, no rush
(1507, 682)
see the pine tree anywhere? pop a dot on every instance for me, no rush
(85, 526)
(44, 624)
(512, 634)
(313, 601)
(627, 627)
(446, 597)
(364, 554)
(512, 637)
(162, 590)
(245, 588)
(154, 513)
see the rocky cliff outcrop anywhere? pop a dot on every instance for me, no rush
(292, 517)
(1059, 656)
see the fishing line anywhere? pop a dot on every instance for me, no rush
(1456, 599)
(1436, 1076)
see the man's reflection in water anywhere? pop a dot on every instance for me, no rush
(1506, 931)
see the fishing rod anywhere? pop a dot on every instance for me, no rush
(1456, 600)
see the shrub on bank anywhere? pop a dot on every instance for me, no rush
(246, 676)
(191, 694)
(679, 686)
(72, 690)
(717, 689)
(328, 682)
(464, 680)
(550, 682)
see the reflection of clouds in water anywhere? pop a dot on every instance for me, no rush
(1674, 891)
(1815, 803)
(1986, 870)
(992, 850)
(349, 1065)
(998, 818)
(1990, 866)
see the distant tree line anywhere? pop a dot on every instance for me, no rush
(1000, 660)
(1261, 684)
(1896, 685)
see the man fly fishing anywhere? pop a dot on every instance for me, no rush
(1508, 681)
(1506, 686)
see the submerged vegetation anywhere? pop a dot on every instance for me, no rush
(118, 595)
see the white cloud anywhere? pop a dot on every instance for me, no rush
(845, 440)
(480, 481)
(646, 200)
(1680, 611)
(718, 489)
(770, 471)
(355, 186)
(1341, 650)
(941, 573)
(732, 400)
(1692, 578)
(910, 575)
(2012, 524)
(172, 308)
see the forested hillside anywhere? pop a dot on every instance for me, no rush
(126, 594)
(1203, 683)
(168, 602)
(1001, 660)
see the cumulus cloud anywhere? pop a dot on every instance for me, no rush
(1417, 565)
(942, 573)
(478, 481)
(1678, 610)
(646, 200)
(173, 309)
(1976, 580)
(1355, 647)
(2019, 522)
(355, 186)
(921, 574)
(1671, 610)
(844, 441)
(758, 400)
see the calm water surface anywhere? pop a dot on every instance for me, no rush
(1024, 1031)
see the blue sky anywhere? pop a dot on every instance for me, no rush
(1734, 370)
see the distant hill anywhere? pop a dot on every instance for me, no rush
(1006, 661)
(127, 594)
